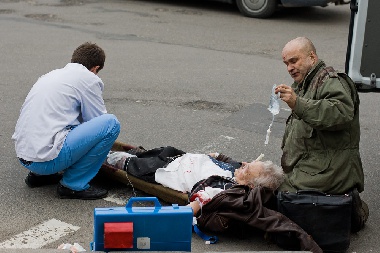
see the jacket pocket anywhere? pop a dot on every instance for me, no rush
(215, 223)
(302, 130)
(314, 163)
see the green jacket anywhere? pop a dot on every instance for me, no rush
(321, 140)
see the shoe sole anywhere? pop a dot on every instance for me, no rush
(82, 198)
(39, 185)
(28, 182)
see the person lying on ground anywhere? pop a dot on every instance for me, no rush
(184, 170)
(257, 173)
(249, 189)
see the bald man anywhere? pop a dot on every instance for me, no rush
(321, 141)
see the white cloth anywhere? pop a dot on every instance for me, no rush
(212, 191)
(117, 156)
(185, 171)
(61, 98)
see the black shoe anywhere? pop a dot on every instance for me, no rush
(360, 212)
(34, 180)
(90, 193)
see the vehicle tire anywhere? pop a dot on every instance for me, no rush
(257, 8)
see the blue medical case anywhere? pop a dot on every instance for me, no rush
(157, 228)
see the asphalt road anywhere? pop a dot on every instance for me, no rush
(191, 74)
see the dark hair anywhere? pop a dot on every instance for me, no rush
(89, 55)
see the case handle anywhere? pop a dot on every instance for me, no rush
(312, 192)
(143, 199)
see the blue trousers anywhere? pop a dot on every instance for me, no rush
(83, 152)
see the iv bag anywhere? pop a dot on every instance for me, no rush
(274, 104)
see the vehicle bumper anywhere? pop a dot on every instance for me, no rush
(305, 3)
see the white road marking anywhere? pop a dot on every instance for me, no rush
(40, 235)
(227, 137)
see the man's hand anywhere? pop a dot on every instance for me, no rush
(287, 95)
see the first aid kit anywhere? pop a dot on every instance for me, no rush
(135, 228)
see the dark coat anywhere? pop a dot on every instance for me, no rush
(322, 135)
(243, 204)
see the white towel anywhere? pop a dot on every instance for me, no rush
(185, 171)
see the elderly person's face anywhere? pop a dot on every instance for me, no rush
(248, 171)
(298, 60)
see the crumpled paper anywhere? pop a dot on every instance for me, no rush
(73, 248)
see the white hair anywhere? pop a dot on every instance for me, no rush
(271, 176)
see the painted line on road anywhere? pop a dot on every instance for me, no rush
(40, 235)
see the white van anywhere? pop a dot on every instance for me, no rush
(363, 51)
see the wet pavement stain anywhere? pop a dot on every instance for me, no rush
(188, 12)
(207, 105)
(43, 17)
(9, 1)
(73, 2)
(6, 11)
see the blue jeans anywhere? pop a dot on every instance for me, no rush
(83, 152)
